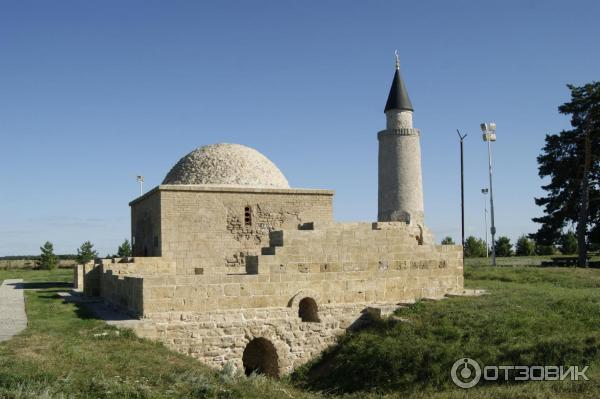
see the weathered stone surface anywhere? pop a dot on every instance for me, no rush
(227, 164)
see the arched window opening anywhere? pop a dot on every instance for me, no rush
(248, 216)
(308, 310)
(261, 357)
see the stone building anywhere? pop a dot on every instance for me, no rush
(232, 265)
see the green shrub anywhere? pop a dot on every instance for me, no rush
(448, 241)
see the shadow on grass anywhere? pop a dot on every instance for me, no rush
(85, 307)
(46, 285)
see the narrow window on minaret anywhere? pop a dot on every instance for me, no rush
(248, 216)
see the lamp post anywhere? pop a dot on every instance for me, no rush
(462, 190)
(484, 191)
(489, 135)
(140, 180)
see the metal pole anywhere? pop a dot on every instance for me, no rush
(462, 189)
(493, 228)
(487, 248)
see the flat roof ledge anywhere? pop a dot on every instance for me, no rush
(231, 189)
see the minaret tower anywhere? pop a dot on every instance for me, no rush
(400, 181)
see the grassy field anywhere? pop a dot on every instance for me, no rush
(542, 316)
(508, 261)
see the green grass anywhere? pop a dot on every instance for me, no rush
(519, 260)
(531, 316)
(508, 261)
(33, 275)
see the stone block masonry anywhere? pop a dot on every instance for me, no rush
(307, 286)
(211, 230)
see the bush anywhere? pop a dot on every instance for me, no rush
(448, 241)
(503, 246)
(474, 247)
(568, 243)
(525, 246)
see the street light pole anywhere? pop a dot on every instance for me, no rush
(462, 190)
(489, 135)
(484, 191)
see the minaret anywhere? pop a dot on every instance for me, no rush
(400, 182)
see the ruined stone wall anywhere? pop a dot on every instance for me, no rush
(121, 281)
(210, 230)
(220, 337)
(337, 271)
(122, 291)
(340, 263)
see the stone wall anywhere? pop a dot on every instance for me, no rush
(308, 286)
(146, 224)
(219, 337)
(338, 263)
(210, 230)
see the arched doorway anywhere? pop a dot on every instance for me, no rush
(308, 310)
(261, 357)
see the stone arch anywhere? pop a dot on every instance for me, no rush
(300, 295)
(308, 310)
(260, 356)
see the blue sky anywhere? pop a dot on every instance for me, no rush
(94, 93)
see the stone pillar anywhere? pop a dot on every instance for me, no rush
(400, 181)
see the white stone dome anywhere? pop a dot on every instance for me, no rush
(226, 165)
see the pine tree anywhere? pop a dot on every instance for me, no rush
(86, 253)
(503, 246)
(571, 159)
(525, 246)
(124, 250)
(48, 260)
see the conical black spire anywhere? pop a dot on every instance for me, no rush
(398, 97)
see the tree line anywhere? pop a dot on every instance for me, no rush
(525, 246)
(85, 253)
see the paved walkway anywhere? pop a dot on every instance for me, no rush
(13, 319)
